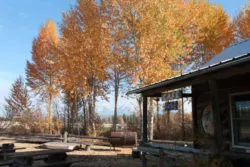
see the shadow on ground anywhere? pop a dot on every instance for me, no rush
(117, 161)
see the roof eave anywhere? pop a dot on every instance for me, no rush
(216, 67)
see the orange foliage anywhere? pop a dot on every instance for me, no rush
(243, 23)
(84, 47)
(84, 53)
(42, 72)
(215, 31)
(167, 35)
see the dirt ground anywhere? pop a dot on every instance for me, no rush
(98, 156)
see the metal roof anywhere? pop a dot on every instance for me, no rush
(235, 50)
(233, 55)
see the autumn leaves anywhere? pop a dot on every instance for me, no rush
(118, 43)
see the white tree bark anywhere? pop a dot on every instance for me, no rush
(151, 119)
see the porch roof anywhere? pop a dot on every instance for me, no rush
(202, 74)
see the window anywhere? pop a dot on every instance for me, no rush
(241, 119)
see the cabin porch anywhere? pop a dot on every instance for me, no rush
(220, 111)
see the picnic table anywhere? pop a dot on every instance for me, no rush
(26, 159)
(7, 148)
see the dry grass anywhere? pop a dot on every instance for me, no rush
(97, 157)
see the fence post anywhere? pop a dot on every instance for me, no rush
(65, 137)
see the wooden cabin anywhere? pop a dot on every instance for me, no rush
(220, 92)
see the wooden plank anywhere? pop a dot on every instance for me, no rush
(35, 153)
(62, 146)
(172, 142)
(170, 154)
(39, 140)
(88, 137)
(67, 163)
(178, 148)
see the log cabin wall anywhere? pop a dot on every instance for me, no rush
(202, 99)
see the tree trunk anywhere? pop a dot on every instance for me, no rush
(115, 109)
(64, 119)
(68, 117)
(71, 116)
(85, 116)
(50, 113)
(75, 112)
(139, 100)
(151, 119)
(90, 114)
(93, 113)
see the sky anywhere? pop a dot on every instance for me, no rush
(20, 21)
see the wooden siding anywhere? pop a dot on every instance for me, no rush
(203, 96)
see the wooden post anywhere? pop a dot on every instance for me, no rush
(182, 119)
(65, 137)
(158, 115)
(145, 130)
(216, 114)
(88, 147)
(194, 119)
(145, 120)
(151, 119)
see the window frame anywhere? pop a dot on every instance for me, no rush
(232, 118)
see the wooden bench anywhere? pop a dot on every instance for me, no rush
(55, 164)
(164, 155)
(7, 148)
(27, 158)
(6, 163)
(61, 164)
(163, 151)
(4, 154)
